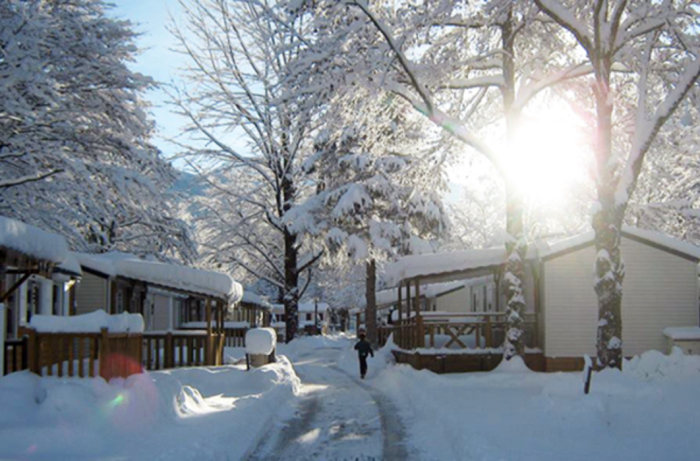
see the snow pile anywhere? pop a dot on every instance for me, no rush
(654, 365)
(196, 413)
(32, 241)
(88, 323)
(260, 341)
(683, 333)
(169, 275)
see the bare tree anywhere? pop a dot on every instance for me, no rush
(255, 143)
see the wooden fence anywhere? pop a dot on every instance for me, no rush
(486, 329)
(182, 348)
(16, 358)
(81, 354)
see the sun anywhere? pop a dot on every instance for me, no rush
(548, 155)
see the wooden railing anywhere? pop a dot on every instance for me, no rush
(486, 328)
(82, 354)
(16, 357)
(182, 348)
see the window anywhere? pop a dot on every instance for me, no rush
(308, 317)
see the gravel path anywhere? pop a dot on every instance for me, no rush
(339, 418)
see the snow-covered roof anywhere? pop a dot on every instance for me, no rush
(70, 265)
(170, 275)
(432, 290)
(311, 306)
(303, 307)
(657, 238)
(683, 333)
(32, 241)
(436, 265)
(442, 263)
(250, 297)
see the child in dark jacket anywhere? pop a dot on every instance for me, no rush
(363, 348)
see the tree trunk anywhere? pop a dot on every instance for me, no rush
(609, 275)
(291, 281)
(516, 249)
(371, 302)
(607, 224)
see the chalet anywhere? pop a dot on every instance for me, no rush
(167, 295)
(660, 291)
(253, 310)
(37, 274)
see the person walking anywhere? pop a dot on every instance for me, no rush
(363, 348)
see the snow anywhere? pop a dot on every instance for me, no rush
(170, 275)
(260, 341)
(647, 412)
(449, 265)
(183, 414)
(683, 333)
(250, 297)
(227, 324)
(311, 306)
(33, 241)
(431, 264)
(88, 323)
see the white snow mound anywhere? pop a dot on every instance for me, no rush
(260, 341)
(88, 323)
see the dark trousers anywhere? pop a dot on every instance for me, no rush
(363, 364)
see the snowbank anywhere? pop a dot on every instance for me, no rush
(260, 341)
(184, 414)
(647, 412)
(88, 323)
(32, 241)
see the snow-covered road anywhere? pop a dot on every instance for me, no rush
(338, 418)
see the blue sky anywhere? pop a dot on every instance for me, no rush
(157, 60)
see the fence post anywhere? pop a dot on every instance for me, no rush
(487, 333)
(104, 353)
(32, 351)
(169, 353)
(2, 339)
(421, 330)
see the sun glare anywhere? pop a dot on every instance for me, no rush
(547, 157)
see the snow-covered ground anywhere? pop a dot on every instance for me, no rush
(649, 411)
(195, 413)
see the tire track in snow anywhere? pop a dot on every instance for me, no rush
(341, 418)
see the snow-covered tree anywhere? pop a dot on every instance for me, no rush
(667, 197)
(454, 62)
(656, 48)
(74, 151)
(255, 143)
(376, 198)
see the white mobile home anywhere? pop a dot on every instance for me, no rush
(660, 290)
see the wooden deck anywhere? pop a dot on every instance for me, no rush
(463, 363)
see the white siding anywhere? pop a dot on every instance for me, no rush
(457, 301)
(159, 320)
(91, 294)
(660, 290)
